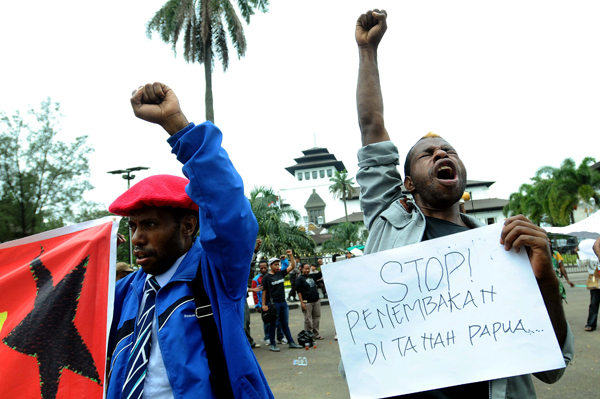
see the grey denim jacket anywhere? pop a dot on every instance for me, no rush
(394, 221)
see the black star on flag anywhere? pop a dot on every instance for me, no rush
(48, 332)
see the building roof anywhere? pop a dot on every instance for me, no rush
(352, 218)
(321, 238)
(596, 166)
(489, 204)
(477, 183)
(315, 201)
(315, 158)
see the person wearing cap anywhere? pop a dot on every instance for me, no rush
(273, 290)
(123, 269)
(157, 346)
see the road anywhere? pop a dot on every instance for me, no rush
(321, 379)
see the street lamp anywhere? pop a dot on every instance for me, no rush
(126, 174)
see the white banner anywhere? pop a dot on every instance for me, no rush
(443, 312)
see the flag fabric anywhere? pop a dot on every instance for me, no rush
(56, 299)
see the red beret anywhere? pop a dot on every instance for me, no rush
(158, 190)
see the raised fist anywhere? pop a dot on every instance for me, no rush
(370, 28)
(157, 103)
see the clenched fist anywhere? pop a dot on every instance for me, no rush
(370, 28)
(157, 103)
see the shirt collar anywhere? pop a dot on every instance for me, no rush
(165, 277)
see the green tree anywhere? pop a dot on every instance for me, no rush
(341, 187)
(571, 184)
(345, 235)
(556, 192)
(277, 234)
(41, 178)
(202, 23)
(527, 201)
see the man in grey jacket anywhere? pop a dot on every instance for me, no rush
(436, 178)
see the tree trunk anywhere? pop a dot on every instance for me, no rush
(345, 209)
(208, 98)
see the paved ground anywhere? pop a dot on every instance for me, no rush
(320, 378)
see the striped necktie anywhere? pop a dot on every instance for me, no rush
(137, 363)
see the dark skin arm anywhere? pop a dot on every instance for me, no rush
(302, 304)
(370, 28)
(264, 298)
(562, 269)
(292, 265)
(157, 103)
(519, 233)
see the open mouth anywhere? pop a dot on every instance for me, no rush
(446, 171)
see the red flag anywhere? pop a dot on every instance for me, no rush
(55, 289)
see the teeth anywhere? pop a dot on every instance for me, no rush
(445, 167)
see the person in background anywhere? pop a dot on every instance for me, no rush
(588, 254)
(559, 269)
(123, 270)
(309, 300)
(273, 290)
(293, 277)
(257, 295)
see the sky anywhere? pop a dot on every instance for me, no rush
(512, 85)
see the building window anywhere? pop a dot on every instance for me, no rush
(307, 175)
(321, 173)
(314, 174)
(329, 173)
(312, 217)
(491, 220)
(300, 176)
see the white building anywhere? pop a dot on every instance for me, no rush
(308, 188)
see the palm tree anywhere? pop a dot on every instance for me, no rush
(556, 192)
(203, 25)
(342, 187)
(570, 185)
(527, 201)
(277, 234)
(345, 235)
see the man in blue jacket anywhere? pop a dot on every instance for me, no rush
(156, 345)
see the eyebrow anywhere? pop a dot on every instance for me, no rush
(432, 148)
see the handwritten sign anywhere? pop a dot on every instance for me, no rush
(444, 312)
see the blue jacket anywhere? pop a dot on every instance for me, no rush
(224, 249)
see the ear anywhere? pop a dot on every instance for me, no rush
(188, 225)
(409, 185)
